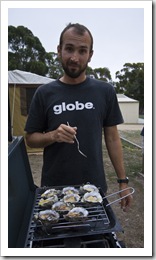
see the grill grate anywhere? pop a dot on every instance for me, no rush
(99, 221)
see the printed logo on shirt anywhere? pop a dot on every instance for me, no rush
(58, 109)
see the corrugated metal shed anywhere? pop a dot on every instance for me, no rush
(123, 98)
(129, 108)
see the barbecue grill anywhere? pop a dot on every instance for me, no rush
(98, 230)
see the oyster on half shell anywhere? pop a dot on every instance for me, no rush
(89, 188)
(62, 207)
(47, 217)
(93, 197)
(71, 198)
(48, 202)
(49, 193)
(76, 214)
(69, 190)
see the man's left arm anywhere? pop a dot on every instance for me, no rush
(114, 147)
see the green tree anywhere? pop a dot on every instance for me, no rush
(55, 69)
(103, 74)
(100, 73)
(131, 82)
(25, 51)
(91, 72)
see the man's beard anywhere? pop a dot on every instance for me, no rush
(73, 72)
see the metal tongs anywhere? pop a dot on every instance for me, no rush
(110, 195)
(78, 145)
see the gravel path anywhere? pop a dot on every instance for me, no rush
(135, 127)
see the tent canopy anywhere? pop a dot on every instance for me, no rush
(24, 77)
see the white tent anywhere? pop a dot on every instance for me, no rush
(22, 86)
(24, 77)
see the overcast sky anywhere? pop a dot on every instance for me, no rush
(118, 32)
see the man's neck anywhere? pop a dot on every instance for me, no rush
(72, 81)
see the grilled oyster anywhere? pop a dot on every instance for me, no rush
(93, 197)
(69, 190)
(71, 198)
(49, 193)
(89, 188)
(48, 202)
(76, 214)
(47, 217)
(61, 206)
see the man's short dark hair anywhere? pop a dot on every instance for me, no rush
(79, 29)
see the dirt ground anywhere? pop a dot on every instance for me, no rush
(132, 222)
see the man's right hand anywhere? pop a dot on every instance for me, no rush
(64, 133)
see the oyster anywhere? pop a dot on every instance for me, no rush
(50, 193)
(71, 198)
(46, 217)
(61, 206)
(89, 188)
(93, 197)
(48, 202)
(69, 190)
(76, 214)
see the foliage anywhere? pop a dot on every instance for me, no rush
(103, 74)
(25, 51)
(55, 69)
(100, 73)
(131, 82)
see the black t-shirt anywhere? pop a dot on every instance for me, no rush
(89, 106)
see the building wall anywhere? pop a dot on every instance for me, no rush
(130, 112)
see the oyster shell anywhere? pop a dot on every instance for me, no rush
(76, 214)
(61, 206)
(46, 217)
(49, 193)
(89, 188)
(69, 190)
(71, 198)
(48, 202)
(93, 197)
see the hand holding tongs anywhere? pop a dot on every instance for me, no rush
(78, 145)
(110, 195)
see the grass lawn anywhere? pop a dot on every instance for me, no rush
(132, 221)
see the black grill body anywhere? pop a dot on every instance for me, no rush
(98, 230)
(21, 193)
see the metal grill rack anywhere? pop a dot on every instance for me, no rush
(100, 220)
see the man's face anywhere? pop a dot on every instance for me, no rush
(75, 53)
